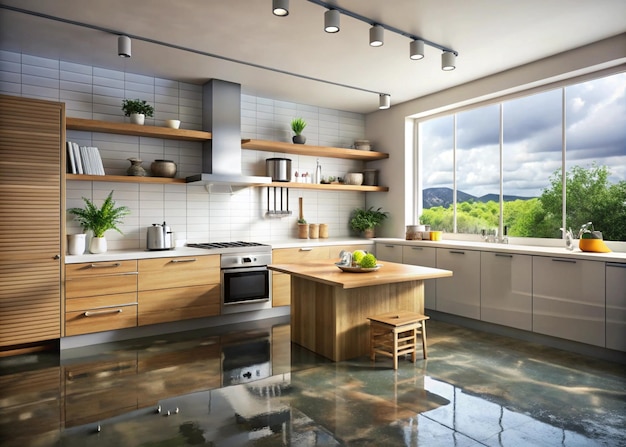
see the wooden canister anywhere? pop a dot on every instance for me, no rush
(303, 231)
(314, 231)
(323, 231)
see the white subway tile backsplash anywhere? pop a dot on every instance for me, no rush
(193, 213)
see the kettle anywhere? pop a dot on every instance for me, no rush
(159, 237)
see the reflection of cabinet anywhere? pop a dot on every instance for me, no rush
(569, 299)
(459, 294)
(100, 296)
(99, 390)
(31, 137)
(30, 407)
(180, 288)
(616, 306)
(281, 349)
(506, 289)
(426, 257)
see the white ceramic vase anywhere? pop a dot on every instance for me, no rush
(98, 245)
(137, 118)
(76, 243)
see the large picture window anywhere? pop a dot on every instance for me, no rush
(502, 165)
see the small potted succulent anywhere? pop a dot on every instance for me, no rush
(99, 220)
(137, 110)
(366, 220)
(298, 125)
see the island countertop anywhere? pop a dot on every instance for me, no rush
(326, 272)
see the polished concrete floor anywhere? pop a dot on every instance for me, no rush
(246, 385)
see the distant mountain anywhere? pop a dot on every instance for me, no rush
(443, 197)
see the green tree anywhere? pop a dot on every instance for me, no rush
(590, 198)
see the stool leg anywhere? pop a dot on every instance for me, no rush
(414, 352)
(395, 350)
(372, 353)
(424, 348)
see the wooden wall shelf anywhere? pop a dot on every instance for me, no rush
(122, 178)
(315, 151)
(328, 187)
(136, 130)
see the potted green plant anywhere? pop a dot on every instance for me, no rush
(99, 220)
(137, 110)
(298, 125)
(366, 220)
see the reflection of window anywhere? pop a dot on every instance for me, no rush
(507, 158)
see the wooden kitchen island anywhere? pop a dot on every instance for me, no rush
(329, 307)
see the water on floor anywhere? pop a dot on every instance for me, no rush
(249, 386)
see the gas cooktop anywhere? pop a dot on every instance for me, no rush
(240, 245)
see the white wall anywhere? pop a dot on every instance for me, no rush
(96, 93)
(387, 127)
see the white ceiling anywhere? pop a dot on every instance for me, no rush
(490, 36)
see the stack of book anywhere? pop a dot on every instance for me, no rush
(84, 160)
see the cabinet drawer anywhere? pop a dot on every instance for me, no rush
(163, 273)
(100, 285)
(302, 254)
(97, 320)
(181, 303)
(99, 268)
(96, 302)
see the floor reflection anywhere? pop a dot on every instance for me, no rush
(243, 386)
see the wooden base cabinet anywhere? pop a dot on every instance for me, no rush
(460, 294)
(616, 306)
(506, 289)
(100, 296)
(180, 288)
(569, 299)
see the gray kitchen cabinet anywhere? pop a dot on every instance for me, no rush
(459, 294)
(616, 306)
(427, 257)
(569, 299)
(389, 252)
(506, 289)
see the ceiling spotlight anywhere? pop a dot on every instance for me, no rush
(376, 36)
(123, 46)
(416, 49)
(280, 7)
(448, 60)
(331, 21)
(384, 101)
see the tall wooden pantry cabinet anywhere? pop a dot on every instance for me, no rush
(32, 135)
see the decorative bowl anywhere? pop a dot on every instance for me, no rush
(163, 168)
(173, 124)
(350, 269)
(353, 178)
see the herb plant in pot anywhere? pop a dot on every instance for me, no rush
(366, 220)
(137, 110)
(298, 125)
(99, 220)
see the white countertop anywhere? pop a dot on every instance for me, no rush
(561, 252)
(122, 255)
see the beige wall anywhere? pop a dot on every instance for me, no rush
(387, 128)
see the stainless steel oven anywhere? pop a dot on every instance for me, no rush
(245, 282)
(245, 279)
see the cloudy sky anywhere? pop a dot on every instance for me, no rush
(595, 131)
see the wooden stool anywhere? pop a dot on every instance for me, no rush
(403, 326)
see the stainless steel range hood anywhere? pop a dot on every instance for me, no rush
(221, 156)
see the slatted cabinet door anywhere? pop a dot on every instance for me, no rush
(31, 137)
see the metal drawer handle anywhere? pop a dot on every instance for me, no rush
(306, 249)
(502, 255)
(457, 252)
(93, 313)
(390, 246)
(616, 264)
(105, 266)
(570, 261)
(183, 260)
(417, 248)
